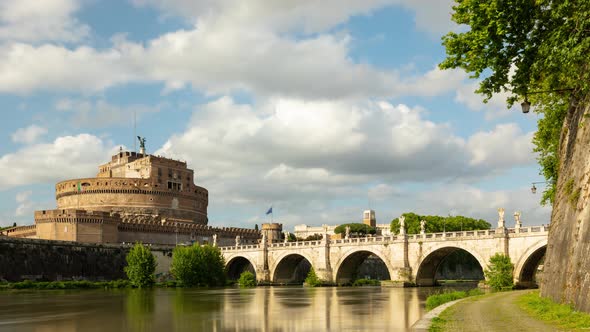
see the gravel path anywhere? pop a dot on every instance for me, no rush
(497, 312)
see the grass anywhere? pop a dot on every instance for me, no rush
(81, 284)
(434, 301)
(561, 315)
(366, 282)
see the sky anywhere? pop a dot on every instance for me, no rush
(320, 109)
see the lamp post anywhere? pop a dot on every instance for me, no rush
(526, 105)
(534, 189)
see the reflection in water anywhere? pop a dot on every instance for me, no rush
(140, 309)
(218, 310)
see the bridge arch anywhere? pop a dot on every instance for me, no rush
(237, 264)
(349, 263)
(291, 268)
(526, 266)
(427, 267)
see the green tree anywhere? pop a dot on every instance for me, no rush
(312, 279)
(198, 265)
(247, 279)
(499, 272)
(521, 47)
(435, 224)
(355, 228)
(255, 227)
(141, 265)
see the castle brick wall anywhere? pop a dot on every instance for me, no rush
(133, 196)
(32, 259)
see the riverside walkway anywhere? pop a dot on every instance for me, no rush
(496, 312)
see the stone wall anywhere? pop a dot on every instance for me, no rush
(135, 196)
(32, 259)
(566, 276)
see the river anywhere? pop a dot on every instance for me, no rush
(274, 309)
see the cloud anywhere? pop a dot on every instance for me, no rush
(29, 134)
(496, 107)
(504, 145)
(25, 205)
(36, 21)
(219, 55)
(100, 113)
(65, 158)
(307, 16)
(294, 152)
(24, 69)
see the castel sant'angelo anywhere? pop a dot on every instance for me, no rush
(134, 197)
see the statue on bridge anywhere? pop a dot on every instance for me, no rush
(215, 240)
(238, 241)
(286, 236)
(347, 232)
(422, 226)
(501, 218)
(517, 222)
(402, 225)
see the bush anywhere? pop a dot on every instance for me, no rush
(141, 265)
(198, 266)
(312, 279)
(247, 279)
(499, 272)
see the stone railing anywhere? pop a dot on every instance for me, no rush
(411, 237)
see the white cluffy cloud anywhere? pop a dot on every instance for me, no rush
(217, 60)
(29, 134)
(100, 113)
(64, 158)
(308, 16)
(25, 205)
(36, 21)
(297, 152)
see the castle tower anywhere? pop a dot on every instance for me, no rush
(273, 232)
(369, 218)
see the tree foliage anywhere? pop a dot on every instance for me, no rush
(141, 265)
(355, 229)
(499, 272)
(524, 47)
(312, 279)
(436, 224)
(247, 279)
(198, 265)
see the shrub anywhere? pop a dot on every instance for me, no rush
(141, 265)
(312, 279)
(247, 279)
(198, 266)
(499, 272)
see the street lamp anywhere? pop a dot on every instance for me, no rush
(526, 105)
(534, 189)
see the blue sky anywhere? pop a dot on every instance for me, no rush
(318, 108)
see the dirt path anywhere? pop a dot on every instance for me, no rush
(497, 312)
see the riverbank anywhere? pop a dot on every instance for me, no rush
(506, 311)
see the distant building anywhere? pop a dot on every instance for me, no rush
(134, 197)
(303, 231)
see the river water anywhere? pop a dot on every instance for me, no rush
(274, 309)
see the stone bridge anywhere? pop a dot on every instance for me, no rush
(410, 259)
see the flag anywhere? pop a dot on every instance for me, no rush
(269, 211)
